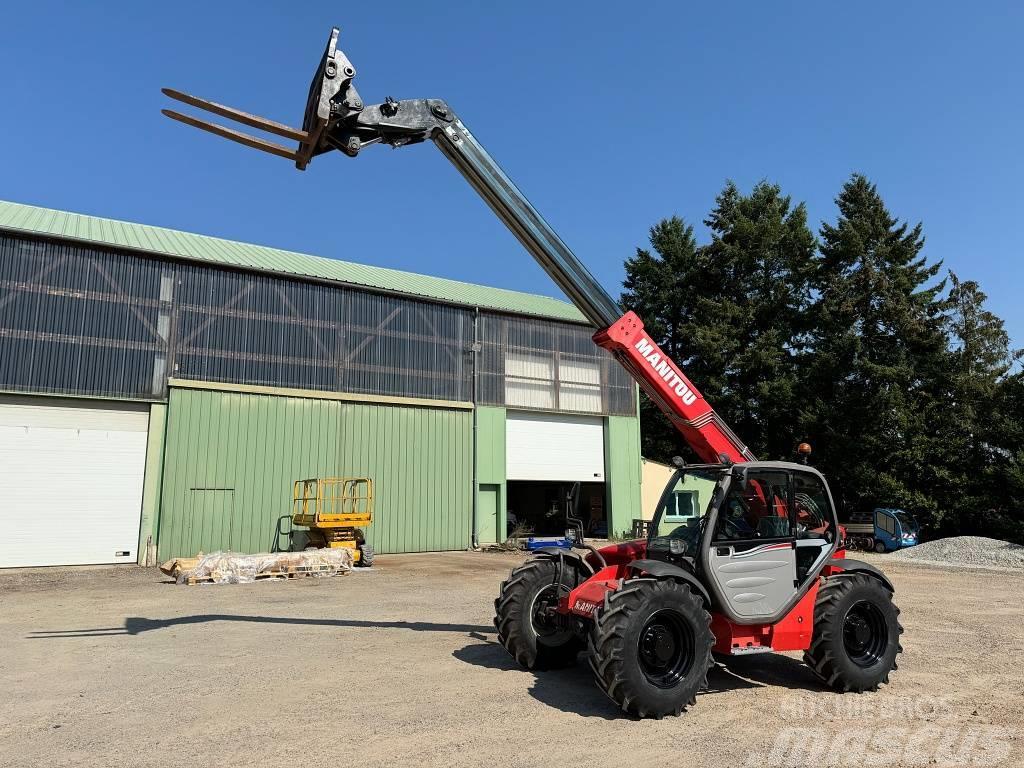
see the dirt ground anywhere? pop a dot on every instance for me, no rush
(399, 666)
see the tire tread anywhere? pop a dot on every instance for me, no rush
(821, 656)
(605, 645)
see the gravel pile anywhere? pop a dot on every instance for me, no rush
(966, 550)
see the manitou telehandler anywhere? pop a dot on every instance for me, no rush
(742, 555)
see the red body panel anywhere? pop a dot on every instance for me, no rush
(620, 554)
(589, 596)
(666, 385)
(791, 633)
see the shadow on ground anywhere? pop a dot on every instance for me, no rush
(573, 690)
(568, 690)
(136, 625)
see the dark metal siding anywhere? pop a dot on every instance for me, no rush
(249, 328)
(78, 321)
(84, 321)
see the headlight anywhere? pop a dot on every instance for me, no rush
(677, 547)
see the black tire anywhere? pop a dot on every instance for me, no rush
(533, 640)
(856, 633)
(879, 547)
(650, 647)
(365, 556)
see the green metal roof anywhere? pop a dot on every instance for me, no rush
(30, 219)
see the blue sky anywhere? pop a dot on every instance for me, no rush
(608, 116)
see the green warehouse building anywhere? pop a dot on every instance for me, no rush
(160, 391)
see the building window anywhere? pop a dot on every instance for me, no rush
(530, 380)
(579, 385)
(548, 365)
(550, 381)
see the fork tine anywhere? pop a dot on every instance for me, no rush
(233, 135)
(253, 121)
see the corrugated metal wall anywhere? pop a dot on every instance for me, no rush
(251, 328)
(623, 470)
(231, 458)
(85, 321)
(79, 321)
(490, 460)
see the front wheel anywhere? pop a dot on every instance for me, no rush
(650, 647)
(856, 633)
(879, 547)
(528, 629)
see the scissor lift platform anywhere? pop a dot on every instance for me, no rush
(335, 510)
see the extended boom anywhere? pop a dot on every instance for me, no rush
(336, 118)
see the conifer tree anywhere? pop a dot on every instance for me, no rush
(876, 383)
(729, 313)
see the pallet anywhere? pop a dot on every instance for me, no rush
(293, 572)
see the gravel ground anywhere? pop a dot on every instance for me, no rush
(966, 550)
(398, 666)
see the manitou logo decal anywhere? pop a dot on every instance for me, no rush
(585, 607)
(664, 369)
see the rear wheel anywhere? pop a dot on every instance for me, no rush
(856, 633)
(879, 547)
(527, 627)
(650, 647)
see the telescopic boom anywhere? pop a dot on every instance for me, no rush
(336, 118)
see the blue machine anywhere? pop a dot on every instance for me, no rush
(884, 530)
(895, 529)
(537, 542)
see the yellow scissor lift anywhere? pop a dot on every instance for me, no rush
(334, 509)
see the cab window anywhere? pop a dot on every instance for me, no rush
(812, 513)
(758, 509)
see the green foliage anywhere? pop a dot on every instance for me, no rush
(730, 312)
(876, 349)
(902, 382)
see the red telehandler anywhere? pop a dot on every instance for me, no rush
(742, 557)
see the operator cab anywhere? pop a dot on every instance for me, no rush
(756, 533)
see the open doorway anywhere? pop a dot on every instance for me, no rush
(540, 506)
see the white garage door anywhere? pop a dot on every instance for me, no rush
(70, 481)
(548, 446)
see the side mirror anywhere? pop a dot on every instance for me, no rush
(741, 476)
(678, 462)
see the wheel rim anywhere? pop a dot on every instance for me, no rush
(665, 649)
(543, 622)
(865, 635)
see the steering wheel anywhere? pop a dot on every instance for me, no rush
(732, 530)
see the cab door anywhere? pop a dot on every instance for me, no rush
(752, 558)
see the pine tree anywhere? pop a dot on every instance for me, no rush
(663, 289)
(876, 384)
(729, 313)
(762, 254)
(984, 424)
(1009, 486)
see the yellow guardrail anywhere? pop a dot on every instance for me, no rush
(332, 502)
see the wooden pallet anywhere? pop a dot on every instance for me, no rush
(292, 572)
